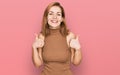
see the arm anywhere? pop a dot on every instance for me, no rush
(37, 50)
(36, 57)
(76, 54)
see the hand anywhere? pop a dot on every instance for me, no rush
(39, 42)
(74, 43)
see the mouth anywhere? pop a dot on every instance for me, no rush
(54, 21)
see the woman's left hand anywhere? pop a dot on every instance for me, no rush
(74, 43)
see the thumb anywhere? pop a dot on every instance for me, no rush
(77, 37)
(36, 36)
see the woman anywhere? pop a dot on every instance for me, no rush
(55, 47)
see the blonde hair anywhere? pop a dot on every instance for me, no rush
(45, 27)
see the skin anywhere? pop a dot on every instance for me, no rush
(54, 19)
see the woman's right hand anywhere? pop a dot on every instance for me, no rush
(39, 42)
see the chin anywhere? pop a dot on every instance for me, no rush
(54, 25)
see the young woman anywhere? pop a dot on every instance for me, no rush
(55, 47)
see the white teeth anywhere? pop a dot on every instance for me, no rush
(54, 21)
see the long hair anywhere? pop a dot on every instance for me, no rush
(45, 26)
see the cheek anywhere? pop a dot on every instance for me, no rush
(49, 17)
(49, 22)
(60, 19)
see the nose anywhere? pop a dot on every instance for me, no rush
(54, 16)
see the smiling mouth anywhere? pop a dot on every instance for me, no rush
(54, 21)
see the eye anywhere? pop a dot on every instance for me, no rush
(50, 13)
(59, 14)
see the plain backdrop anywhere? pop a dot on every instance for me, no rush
(96, 22)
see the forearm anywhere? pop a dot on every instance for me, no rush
(36, 58)
(77, 57)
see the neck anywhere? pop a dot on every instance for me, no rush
(54, 27)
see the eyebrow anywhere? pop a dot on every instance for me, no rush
(53, 12)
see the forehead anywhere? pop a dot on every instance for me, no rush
(55, 9)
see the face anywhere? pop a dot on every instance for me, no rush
(54, 17)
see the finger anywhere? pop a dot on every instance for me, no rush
(36, 36)
(77, 37)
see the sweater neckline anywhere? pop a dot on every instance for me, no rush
(54, 31)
